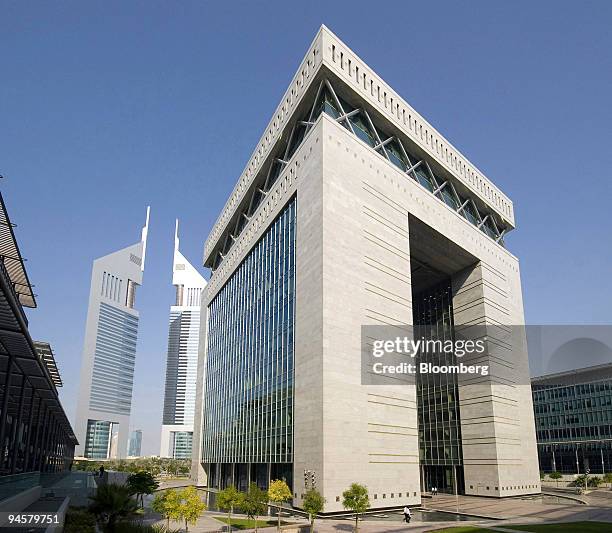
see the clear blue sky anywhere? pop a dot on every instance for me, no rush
(106, 107)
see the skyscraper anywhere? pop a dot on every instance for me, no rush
(181, 366)
(109, 353)
(354, 211)
(135, 443)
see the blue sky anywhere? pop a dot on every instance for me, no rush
(106, 107)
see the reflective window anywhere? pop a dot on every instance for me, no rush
(469, 212)
(181, 445)
(98, 439)
(248, 403)
(362, 129)
(450, 198)
(396, 155)
(437, 394)
(424, 178)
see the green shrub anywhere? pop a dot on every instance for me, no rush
(594, 481)
(112, 503)
(156, 465)
(79, 521)
(135, 527)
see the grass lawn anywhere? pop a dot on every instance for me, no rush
(570, 527)
(247, 523)
(464, 529)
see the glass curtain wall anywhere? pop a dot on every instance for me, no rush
(98, 439)
(182, 441)
(574, 426)
(438, 395)
(248, 405)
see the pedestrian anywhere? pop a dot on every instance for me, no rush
(101, 471)
(407, 514)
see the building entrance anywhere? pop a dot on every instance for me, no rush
(434, 262)
(443, 477)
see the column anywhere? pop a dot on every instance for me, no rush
(497, 429)
(14, 448)
(5, 403)
(26, 454)
(43, 440)
(32, 462)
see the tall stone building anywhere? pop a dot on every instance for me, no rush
(353, 210)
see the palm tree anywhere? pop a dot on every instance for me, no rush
(111, 503)
(141, 483)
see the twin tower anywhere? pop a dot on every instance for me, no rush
(109, 355)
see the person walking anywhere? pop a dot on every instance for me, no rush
(407, 514)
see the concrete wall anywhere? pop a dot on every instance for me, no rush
(19, 502)
(498, 430)
(369, 433)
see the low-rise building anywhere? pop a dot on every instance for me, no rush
(573, 417)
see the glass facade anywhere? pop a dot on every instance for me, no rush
(574, 423)
(114, 360)
(135, 443)
(181, 446)
(438, 394)
(98, 439)
(181, 367)
(248, 404)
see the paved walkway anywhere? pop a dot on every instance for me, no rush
(526, 510)
(508, 511)
(207, 524)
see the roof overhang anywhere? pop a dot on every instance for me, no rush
(12, 260)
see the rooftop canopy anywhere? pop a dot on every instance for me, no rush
(46, 354)
(11, 258)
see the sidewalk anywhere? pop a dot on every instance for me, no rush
(207, 524)
(496, 514)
